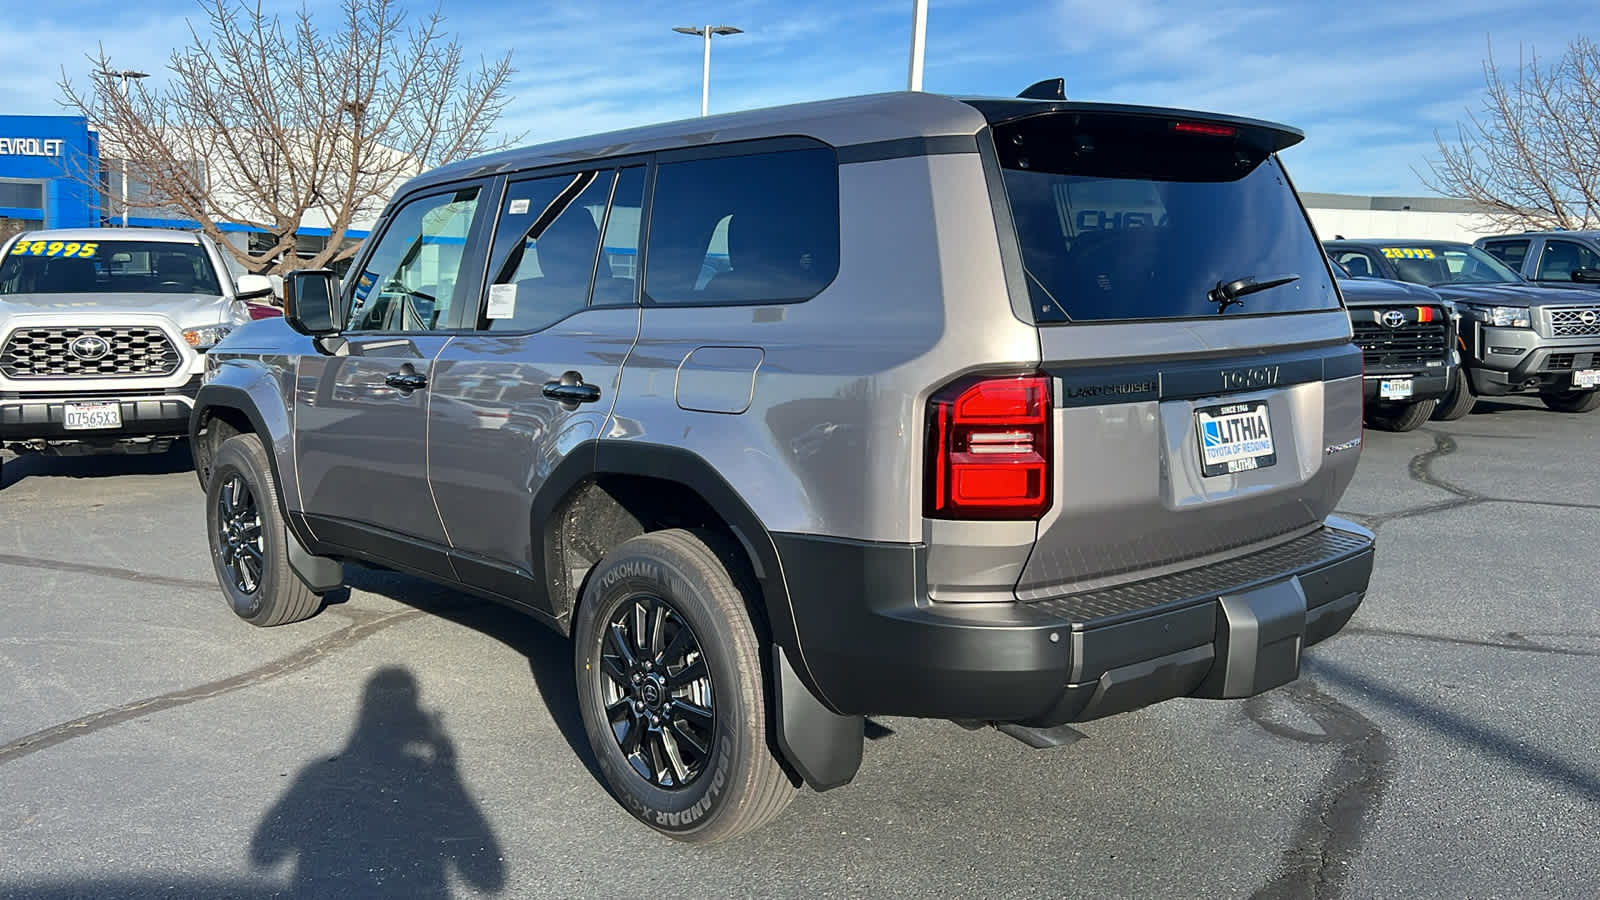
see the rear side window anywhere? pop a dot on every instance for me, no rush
(1560, 258)
(762, 228)
(1512, 253)
(1123, 218)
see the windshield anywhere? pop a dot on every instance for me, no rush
(1436, 264)
(1120, 220)
(107, 267)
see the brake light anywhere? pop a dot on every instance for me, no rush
(989, 449)
(1205, 128)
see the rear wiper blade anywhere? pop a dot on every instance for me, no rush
(1226, 295)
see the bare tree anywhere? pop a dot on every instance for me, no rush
(1531, 156)
(263, 122)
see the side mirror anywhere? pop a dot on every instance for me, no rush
(1586, 276)
(253, 287)
(309, 296)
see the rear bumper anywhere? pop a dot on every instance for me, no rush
(25, 416)
(1507, 360)
(871, 643)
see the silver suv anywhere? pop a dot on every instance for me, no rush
(102, 334)
(1012, 412)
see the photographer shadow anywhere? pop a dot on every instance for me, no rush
(388, 815)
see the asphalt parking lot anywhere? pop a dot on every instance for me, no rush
(410, 741)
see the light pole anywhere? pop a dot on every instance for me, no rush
(125, 74)
(705, 72)
(919, 30)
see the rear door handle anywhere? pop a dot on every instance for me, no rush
(571, 390)
(406, 381)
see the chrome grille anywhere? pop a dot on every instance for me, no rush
(1408, 346)
(131, 351)
(1574, 321)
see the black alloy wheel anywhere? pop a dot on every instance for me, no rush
(241, 546)
(659, 697)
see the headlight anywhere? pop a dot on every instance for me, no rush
(1508, 316)
(206, 337)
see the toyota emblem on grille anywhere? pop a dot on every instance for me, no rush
(1394, 318)
(89, 347)
(1587, 317)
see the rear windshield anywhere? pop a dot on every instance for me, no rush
(1132, 219)
(106, 267)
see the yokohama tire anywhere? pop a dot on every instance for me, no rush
(251, 560)
(691, 777)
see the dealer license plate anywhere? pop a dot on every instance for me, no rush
(1394, 388)
(92, 416)
(1586, 378)
(1234, 438)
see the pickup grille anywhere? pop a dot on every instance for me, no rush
(129, 351)
(1574, 321)
(1409, 346)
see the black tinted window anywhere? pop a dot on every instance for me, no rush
(545, 248)
(1512, 253)
(762, 228)
(1119, 221)
(1560, 258)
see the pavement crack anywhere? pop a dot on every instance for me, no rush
(58, 565)
(1513, 641)
(1333, 825)
(362, 625)
(1421, 471)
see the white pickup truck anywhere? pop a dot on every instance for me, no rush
(103, 333)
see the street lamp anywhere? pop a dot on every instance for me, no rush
(705, 72)
(919, 31)
(125, 74)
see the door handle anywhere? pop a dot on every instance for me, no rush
(571, 390)
(406, 381)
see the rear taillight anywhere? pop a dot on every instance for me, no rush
(989, 449)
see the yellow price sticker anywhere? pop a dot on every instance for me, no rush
(55, 248)
(1408, 253)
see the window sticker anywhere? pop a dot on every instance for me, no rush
(518, 207)
(502, 301)
(55, 248)
(1408, 253)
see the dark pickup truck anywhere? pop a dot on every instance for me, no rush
(1407, 337)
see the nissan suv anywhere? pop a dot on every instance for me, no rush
(103, 332)
(1012, 412)
(1515, 336)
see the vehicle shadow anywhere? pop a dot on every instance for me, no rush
(100, 465)
(549, 655)
(386, 816)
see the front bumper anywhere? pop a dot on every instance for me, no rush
(39, 415)
(1508, 360)
(872, 644)
(1428, 384)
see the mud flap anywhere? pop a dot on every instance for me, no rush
(823, 747)
(1260, 634)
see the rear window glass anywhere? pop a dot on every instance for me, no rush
(762, 228)
(53, 266)
(1130, 221)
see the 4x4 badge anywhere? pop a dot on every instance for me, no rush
(1394, 318)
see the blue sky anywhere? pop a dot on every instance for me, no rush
(1369, 82)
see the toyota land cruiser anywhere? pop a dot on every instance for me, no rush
(1010, 411)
